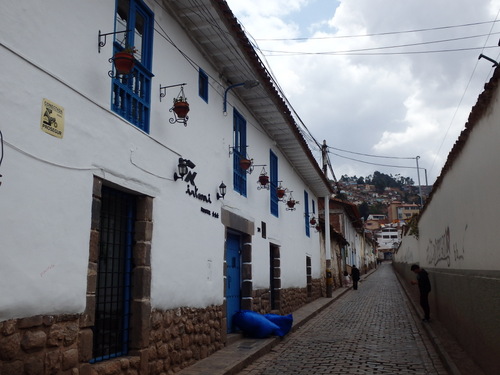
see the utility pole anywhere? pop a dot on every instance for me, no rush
(328, 251)
(419, 186)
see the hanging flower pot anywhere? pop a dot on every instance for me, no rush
(280, 192)
(313, 221)
(124, 60)
(318, 228)
(263, 179)
(181, 107)
(245, 164)
(290, 203)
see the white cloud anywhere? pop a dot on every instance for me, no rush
(395, 105)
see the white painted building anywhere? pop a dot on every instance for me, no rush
(102, 238)
(455, 240)
(388, 239)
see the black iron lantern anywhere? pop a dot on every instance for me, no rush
(222, 191)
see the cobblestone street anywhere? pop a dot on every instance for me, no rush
(372, 330)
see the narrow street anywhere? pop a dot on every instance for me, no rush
(372, 330)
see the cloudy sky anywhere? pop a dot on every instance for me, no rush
(389, 78)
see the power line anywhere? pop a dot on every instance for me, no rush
(367, 162)
(373, 156)
(383, 33)
(385, 47)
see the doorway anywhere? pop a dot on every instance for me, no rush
(233, 278)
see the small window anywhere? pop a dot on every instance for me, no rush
(306, 213)
(239, 151)
(203, 85)
(273, 171)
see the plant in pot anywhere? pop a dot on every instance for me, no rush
(124, 60)
(280, 192)
(263, 179)
(181, 106)
(245, 163)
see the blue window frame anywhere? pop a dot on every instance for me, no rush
(203, 85)
(239, 151)
(273, 172)
(306, 213)
(131, 94)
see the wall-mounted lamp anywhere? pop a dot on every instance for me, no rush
(489, 58)
(247, 85)
(182, 168)
(222, 191)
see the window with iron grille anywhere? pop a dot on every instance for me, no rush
(131, 93)
(239, 151)
(273, 172)
(306, 214)
(114, 270)
(203, 85)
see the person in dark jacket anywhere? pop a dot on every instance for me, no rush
(424, 285)
(355, 277)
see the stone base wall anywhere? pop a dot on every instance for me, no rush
(43, 345)
(261, 301)
(183, 336)
(40, 345)
(290, 299)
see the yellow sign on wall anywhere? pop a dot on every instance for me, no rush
(52, 121)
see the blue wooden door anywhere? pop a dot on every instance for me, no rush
(233, 278)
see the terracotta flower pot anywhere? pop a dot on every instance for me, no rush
(181, 109)
(312, 221)
(281, 193)
(290, 203)
(263, 179)
(245, 164)
(124, 62)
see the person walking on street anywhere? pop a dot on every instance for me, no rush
(355, 277)
(424, 285)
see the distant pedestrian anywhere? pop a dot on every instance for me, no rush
(347, 279)
(424, 285)
(355, 277)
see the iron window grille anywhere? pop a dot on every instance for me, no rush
(114, 275)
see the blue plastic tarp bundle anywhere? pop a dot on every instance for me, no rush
(260, 326)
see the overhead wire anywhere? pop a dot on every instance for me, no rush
(462, 97)
(380, 34)
(367, 162)
(297, 53)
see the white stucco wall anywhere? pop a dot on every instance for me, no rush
(46, 191)
(458, 228)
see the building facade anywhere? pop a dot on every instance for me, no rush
(454, 238)
(132, 233)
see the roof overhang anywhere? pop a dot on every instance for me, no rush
(214, 29)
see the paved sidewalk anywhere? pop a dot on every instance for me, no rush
(395, 340)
